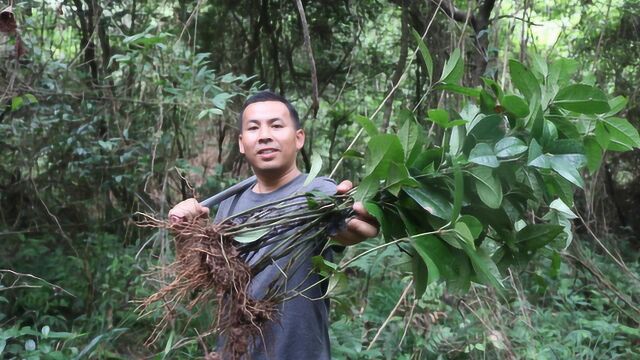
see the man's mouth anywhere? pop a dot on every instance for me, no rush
(266, 151)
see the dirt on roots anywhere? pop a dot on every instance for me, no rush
(207, 266)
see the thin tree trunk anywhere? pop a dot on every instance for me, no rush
(400, 65)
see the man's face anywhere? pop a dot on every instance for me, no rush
(269, 138)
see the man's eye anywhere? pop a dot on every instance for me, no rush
(277, 126)
(252, 128)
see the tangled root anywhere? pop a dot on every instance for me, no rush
(208, 266)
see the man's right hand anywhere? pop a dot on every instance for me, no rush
(187, 210)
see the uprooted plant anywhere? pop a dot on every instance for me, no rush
(496, 189)
(218, 261)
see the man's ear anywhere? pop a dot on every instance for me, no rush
(299, 139)
(240, 145)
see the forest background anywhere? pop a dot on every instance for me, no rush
(113, 107)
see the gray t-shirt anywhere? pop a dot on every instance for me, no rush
(301, 330)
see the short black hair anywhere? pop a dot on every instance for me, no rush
(268, 95)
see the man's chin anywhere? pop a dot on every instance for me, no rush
(269, 169)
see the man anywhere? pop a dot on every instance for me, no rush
(270, 139)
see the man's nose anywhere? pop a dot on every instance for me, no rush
(265, 134)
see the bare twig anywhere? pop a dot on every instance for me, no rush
(14, 273)
(618, 261)
(393, 312)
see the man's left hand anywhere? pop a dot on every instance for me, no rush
(360, 227)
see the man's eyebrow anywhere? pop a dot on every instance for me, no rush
(268, 120)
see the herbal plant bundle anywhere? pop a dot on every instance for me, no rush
(217, 262)
(467, 193)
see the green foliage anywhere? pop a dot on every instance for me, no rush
(506, 160)
(559, 312)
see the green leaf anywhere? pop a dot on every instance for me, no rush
(561, 71)
(375, 210)
(458, 191)
(487, 102)
(456, 140)
(408, 135)
(168, 346)
(16, 103)
(509, 147)
(249, 236)
(367, 124)
(533, 237)
(593, 152)
(472, 92)
(583, 99)
(488, 187)
(323, 266)
(536, 157)
(566, 170)
(398, 175)
(622, 135)
(432, 201)
(351, 153)
(535, 122)
(616, 104)
(474, 225)
(515, 105)
(565, 126)
(30, 98)
(453, 68)
(424, 51)
(549, 133)
(420, 273)
(539, 64)
(602, 135)
(316, 165)
(438, 116)
(462, 230)
(434, 253)
(485, 268)
(562, 208)
(382, 150)
(367, 189)
(524, 80)
(482, 154)
(486, 127)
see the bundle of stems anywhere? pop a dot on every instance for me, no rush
(216, 262)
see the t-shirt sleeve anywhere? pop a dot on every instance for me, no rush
(324, 184)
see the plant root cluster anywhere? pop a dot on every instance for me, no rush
(208, 266)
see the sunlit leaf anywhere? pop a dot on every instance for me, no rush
(482, 154)
(622, 135)
(562, 208)
(453, 68)
(566, 170)
(249, 236)
(316, 165)
(509, 147)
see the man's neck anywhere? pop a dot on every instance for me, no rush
(268, 183)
